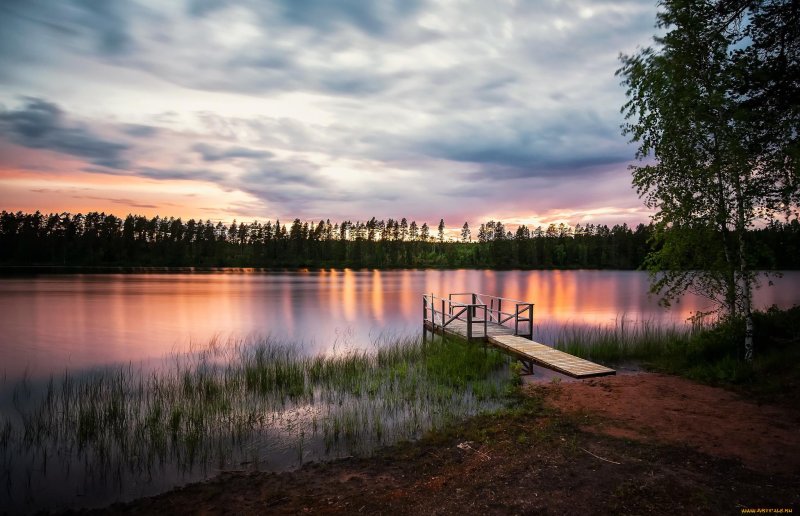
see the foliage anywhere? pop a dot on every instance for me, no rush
(99, 239)
(719, 140)
(706, 352)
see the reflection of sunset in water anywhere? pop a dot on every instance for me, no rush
(287, 310)
(376, 287)
(334, 306)
(53, 322)
(406, 296)
(348, 297)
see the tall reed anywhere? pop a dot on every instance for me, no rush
(625, 340)
(239, 403)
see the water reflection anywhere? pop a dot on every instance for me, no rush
(377, 296)
(51, 323)
(348, 295)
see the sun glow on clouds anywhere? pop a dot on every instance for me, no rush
(426, 110)
(120, 196)
(51, 183)
(606, 215)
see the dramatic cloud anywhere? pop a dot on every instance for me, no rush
(138, 130)
(522, 146)
(376, 19)
(41, 125)
(343, 109)
(211, 153)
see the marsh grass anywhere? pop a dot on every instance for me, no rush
(707, 351)
(255, 404)
(625, 341)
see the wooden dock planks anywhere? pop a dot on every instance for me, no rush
(548, 357)
(527, 350)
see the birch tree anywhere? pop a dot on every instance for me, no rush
(713, 107)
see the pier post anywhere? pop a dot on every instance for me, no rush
(469, 325)
(499, 310)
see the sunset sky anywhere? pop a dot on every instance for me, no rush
(462, 110)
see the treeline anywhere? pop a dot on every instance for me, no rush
(99, 239)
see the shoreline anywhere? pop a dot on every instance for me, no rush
(565, 447)
(10, 271)
(27, 270)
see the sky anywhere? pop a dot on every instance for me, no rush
(314, 109)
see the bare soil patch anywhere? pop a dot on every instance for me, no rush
(673, 410)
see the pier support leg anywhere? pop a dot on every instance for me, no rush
(527, 368)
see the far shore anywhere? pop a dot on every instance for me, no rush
(31, 270)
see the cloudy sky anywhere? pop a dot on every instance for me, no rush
(466, 110)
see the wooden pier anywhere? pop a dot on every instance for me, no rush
(483, 318)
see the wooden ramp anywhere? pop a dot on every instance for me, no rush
(548, 357)
(524, 349)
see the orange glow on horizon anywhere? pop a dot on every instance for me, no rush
(609, 215)
(84, 192)
(50, 182)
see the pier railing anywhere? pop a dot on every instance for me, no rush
(441, 313)
(472, 308)
(520, 312)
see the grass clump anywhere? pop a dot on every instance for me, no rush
(244, 403)
(625, 341)
(715, 355)
(710, 353)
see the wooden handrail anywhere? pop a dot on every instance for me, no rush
(490, 296)
(451, 310)
(453, 317)
(455, 311)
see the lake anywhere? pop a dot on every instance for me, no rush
(110, 390)
(52, 323)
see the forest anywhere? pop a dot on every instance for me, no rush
(99, 239)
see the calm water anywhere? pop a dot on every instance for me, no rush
(78, 322)
(50, 323)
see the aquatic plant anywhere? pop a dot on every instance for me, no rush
(238, 403)
(626, 340)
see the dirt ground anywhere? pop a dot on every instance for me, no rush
(668, 409)
(632, 444)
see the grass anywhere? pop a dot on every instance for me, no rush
(711, 353)
(242, 403)
(625, 341)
